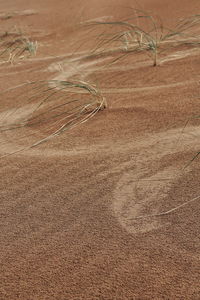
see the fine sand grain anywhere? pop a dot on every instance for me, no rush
(80, 214)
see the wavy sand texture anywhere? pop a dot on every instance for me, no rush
(69, 208)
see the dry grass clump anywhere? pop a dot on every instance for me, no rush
(46, 109)
(14, 45)
(145, 33)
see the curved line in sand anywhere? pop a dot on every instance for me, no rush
(147, 88)
(79, 65)
(140, 191)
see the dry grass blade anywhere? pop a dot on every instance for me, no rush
(46, 109)
(145, 33)
(14, 45)
(164, 213)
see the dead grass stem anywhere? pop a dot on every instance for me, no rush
(144, 33)
(48, 108)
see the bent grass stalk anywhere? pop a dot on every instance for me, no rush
(14, 45)
(151, 37)
(51, 108)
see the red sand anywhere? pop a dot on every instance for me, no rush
(69, 207)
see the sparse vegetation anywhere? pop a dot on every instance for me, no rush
(51, 107)
(14, 45)
(145, 33)
(56, 106)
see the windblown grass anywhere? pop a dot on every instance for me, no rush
(46, 109)
(144, 33)
(14, 45)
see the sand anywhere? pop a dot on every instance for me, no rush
(75, 211)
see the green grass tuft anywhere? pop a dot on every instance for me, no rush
(14, 46)
(145, 33)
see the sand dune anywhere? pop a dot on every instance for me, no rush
(78, 212)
